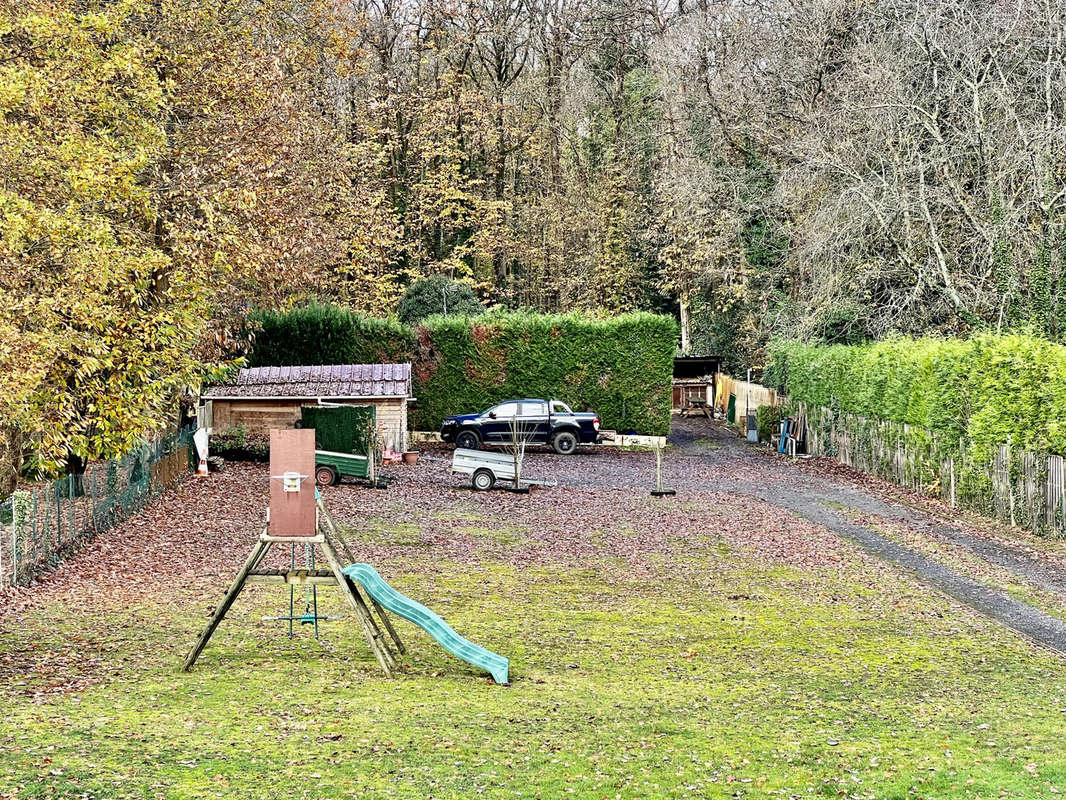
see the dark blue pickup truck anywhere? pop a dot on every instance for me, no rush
(548, 422)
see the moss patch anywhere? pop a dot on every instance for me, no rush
(698, 679)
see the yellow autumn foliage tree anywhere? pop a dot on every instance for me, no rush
(99, 319)
(165, 166)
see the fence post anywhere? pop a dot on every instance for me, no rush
(1062, 494)
(18, 522)
(1010, 486)
(73, 528)
(951, 467)
(20, 505)
(36, 548)
(15, 525)
(59, 514)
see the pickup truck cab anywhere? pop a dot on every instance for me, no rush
(549, 422)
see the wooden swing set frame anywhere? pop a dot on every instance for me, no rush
(328, 539)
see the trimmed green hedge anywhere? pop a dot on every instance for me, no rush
(982, 390)
(325, 334)
(622, 368)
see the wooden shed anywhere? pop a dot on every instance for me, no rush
(262, 398)
(694, 379)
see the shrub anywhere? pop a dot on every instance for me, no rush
(236, 444)
(984, 390)
(622, 368)
(327, 334)
(766, 421)
(438, 295)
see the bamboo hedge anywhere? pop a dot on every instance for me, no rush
(980, 422)
(985, 391)
(970, 395)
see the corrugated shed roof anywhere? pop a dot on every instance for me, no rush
(336, 380)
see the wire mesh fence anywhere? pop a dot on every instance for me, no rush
(42, 525)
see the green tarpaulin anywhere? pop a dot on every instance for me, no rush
(341, 429)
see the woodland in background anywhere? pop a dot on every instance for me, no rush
(818, 169)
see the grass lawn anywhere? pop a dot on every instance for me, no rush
(699, 665)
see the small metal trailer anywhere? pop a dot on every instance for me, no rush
(486, 467)
(331, 466)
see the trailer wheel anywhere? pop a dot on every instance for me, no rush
(325, 475)
(467, 440)
(564, 443)
(483, 479)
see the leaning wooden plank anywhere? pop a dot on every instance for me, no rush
(258, 552)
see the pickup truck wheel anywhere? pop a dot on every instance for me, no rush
(483, 479)
(325, 475)
(564, 443)
(467, 440)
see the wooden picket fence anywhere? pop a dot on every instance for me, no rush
(743, 391)
(1017, 487)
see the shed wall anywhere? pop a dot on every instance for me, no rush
(260, 416)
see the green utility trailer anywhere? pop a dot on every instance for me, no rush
(331, 466)
(344, 437)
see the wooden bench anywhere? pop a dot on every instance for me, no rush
(696, 407)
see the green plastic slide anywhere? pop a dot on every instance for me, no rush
(403, 606)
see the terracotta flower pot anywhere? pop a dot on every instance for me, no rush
(410, 457)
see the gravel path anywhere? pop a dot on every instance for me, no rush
(1042, 628)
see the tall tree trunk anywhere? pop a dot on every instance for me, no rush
(10, 458)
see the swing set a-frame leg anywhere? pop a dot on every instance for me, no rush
(388, 626)
(373, 634)
(333, 538)
(258, 552)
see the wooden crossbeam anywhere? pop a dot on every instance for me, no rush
(294, 577)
